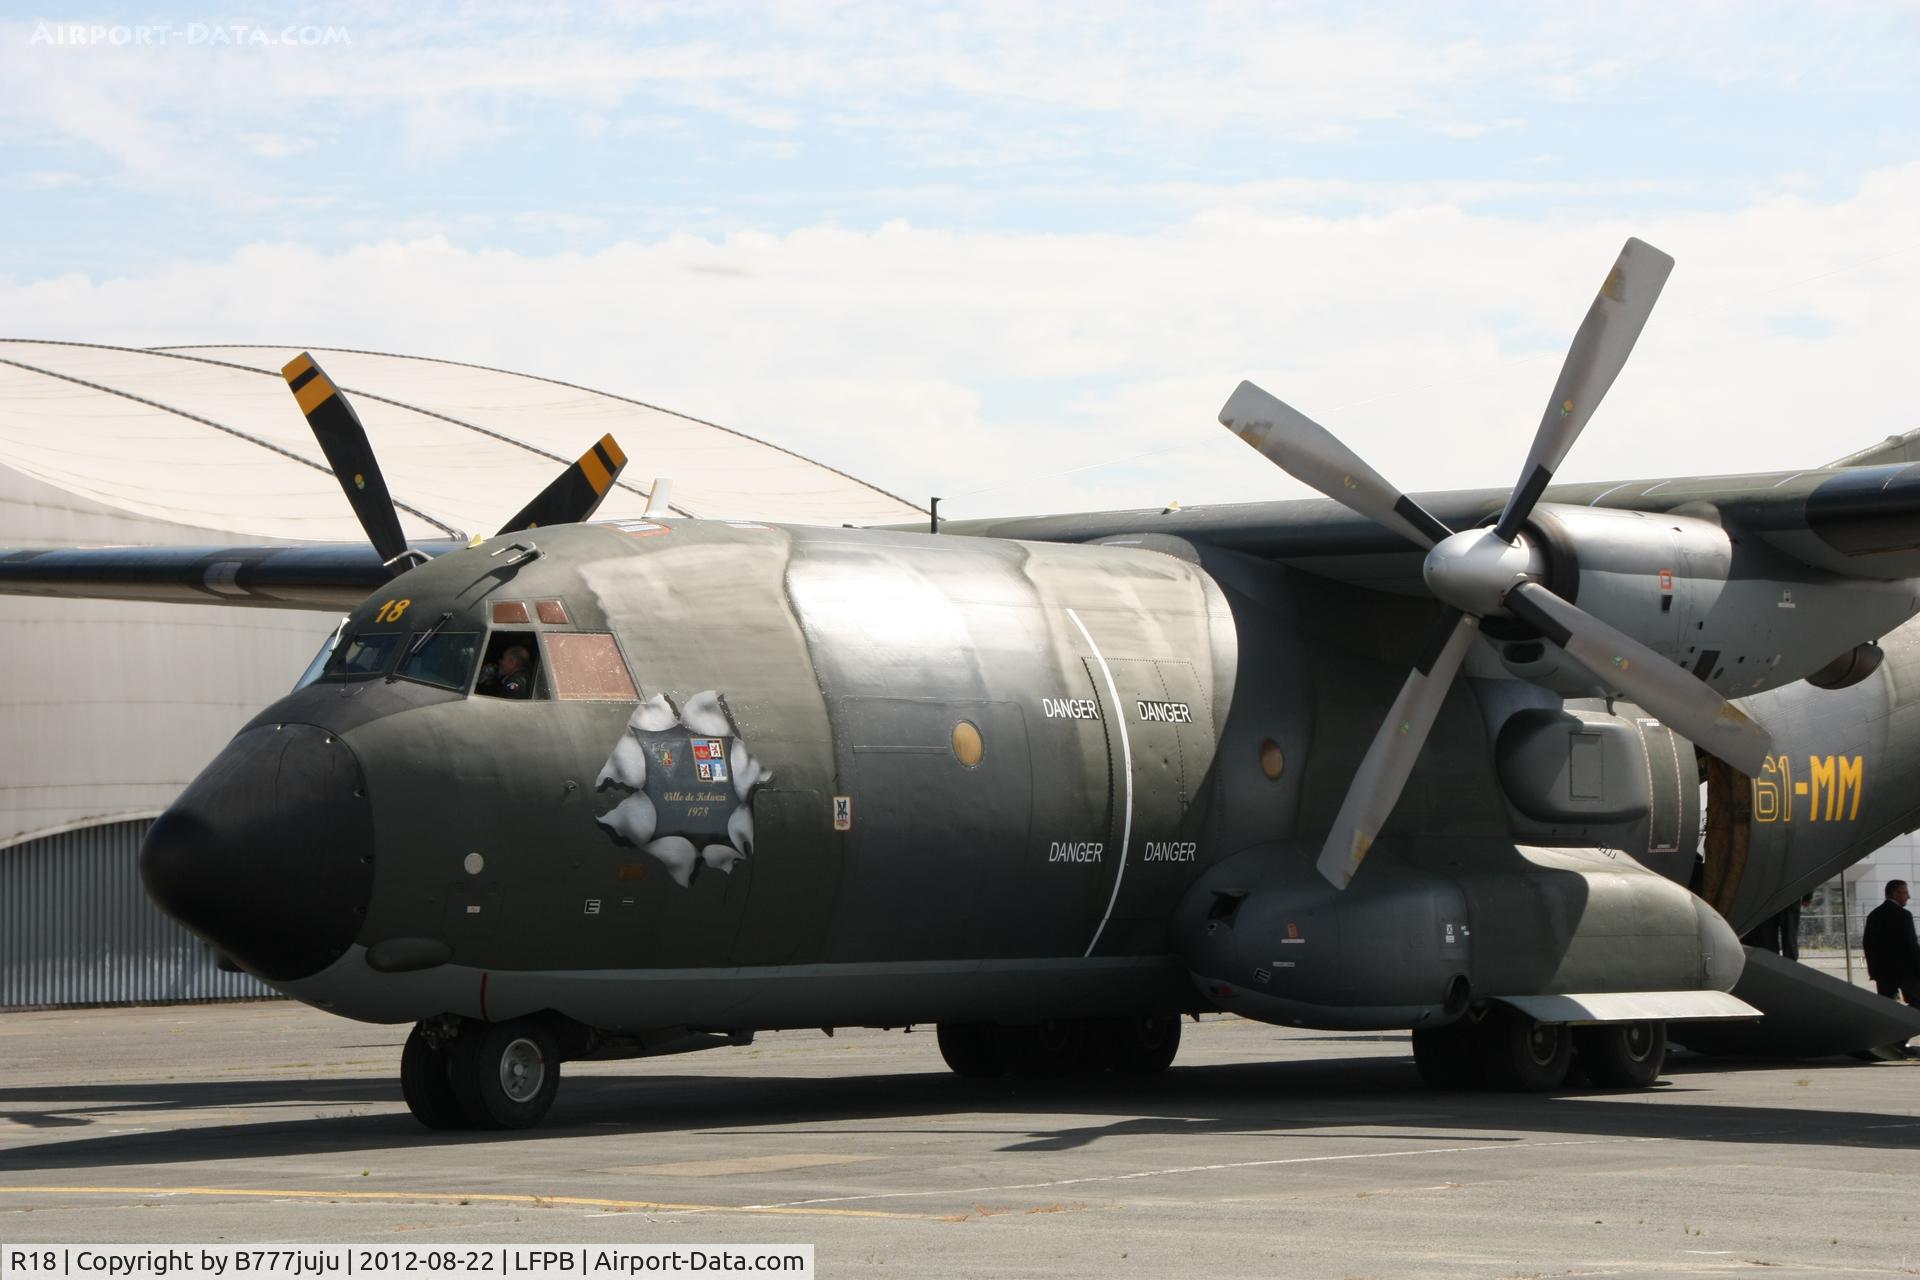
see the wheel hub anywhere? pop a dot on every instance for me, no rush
(1543, 1042)
(522, 1070)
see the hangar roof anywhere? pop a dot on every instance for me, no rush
(210, 437)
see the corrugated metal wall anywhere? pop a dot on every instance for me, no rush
(76, 928)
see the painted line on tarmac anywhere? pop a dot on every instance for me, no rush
(798, 1209)
(1178, 1169)
(1509, 1145)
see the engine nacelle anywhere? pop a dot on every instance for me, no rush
(1416, 938)
(1728, 608)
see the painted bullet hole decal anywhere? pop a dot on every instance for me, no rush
(690, 783)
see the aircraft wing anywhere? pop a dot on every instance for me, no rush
(1860, 522)
(329, 576)
(1853, 522)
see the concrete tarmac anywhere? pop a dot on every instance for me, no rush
(1264, 1152)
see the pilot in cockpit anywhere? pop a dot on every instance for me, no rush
(510, 676)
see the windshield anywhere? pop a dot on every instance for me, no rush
(362, 656)
(319, 662)
(445, 658)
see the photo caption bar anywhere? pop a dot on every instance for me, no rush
(308, 1262)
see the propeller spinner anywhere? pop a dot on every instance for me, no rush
(1495, 571)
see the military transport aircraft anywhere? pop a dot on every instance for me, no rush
(587, 790)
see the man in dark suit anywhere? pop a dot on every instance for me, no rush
(1893, 952)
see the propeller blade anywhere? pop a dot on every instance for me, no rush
(575, 493)
(1383, 771)
(1309, 453)
(1598, 353)
(1681, 701)
(344, 441)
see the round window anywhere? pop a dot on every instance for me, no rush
(1272, 763)
(968, 748)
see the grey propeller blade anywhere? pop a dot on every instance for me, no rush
(1681, 701)
(1309, 452)
(1598, 353)
(1383, 771)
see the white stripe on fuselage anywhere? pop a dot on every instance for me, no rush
(1126, 767)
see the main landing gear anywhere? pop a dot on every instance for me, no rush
(480, 1075)
(1061, 1047)
(1502, 1049)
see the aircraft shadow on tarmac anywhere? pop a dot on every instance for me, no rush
(1252, 1101)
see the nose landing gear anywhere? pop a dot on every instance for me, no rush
(480, 1075)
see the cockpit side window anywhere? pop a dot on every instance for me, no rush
(319, 663)
(588, 665)
(444, 658)
(362, 655)
(512, 667)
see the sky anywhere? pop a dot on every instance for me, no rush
(1014, 254)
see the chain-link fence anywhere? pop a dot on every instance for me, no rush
(1823, 924)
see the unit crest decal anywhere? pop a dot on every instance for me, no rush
(689, 781)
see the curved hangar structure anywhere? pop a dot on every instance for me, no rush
(112, 707)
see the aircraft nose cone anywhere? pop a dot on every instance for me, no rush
(268, 855)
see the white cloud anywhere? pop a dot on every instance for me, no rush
(42, 180)
(979, 84)
(274, 146)
(933, 361)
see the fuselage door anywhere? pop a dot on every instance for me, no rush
(938, 809)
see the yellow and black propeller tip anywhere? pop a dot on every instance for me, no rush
(349, 453)
(575, 493)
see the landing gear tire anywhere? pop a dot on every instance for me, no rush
(1448, 1057)
(972, 1049)
(505, 1074)
(1520, 1054)
(424, 1083)
(1142, 1046)
(1056, 1047)
(1622, 1055)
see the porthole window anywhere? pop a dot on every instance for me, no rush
(968, 747)
(1272, 762)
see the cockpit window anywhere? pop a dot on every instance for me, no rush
(445, 658)
(587, 664)
(319, 662)
(512, 667)
(362, 655)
